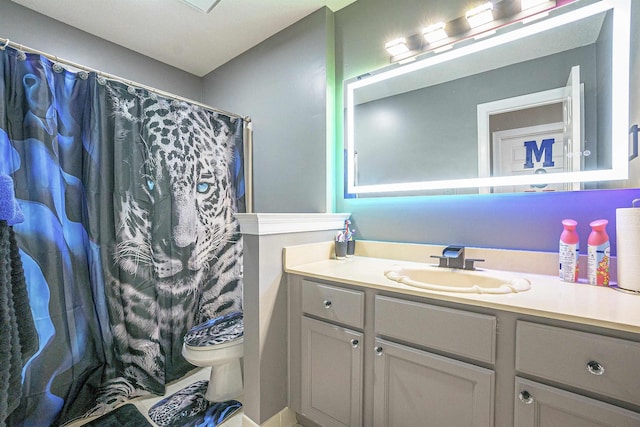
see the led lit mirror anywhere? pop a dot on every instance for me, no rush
(538, 106)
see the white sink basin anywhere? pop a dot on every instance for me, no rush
(453, 280)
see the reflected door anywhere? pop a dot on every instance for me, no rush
(573, 123)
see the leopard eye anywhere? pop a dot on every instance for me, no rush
(151, 184)
(202, 187)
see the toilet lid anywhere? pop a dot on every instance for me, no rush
(223, 329)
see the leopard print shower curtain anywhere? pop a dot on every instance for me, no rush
(129, 236)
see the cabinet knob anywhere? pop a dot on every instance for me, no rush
(525, 397)
(354, 343)
(327, 303)
(378, 350)
(595, 368)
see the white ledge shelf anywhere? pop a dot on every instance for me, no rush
(261, 224)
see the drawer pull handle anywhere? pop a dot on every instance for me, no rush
(525, 397)
(327, 304)
(595, 368)
(354, 343)
(378, 350)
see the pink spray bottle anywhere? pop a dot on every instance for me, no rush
(598, 253)
(569, 251)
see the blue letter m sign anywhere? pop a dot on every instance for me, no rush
(546, 148)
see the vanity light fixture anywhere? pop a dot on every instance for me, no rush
(397, 47)
(480, 22)
(480, 15)
(435, 33)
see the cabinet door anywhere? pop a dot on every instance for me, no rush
(417, 388)
(540, 405)
(331, 374)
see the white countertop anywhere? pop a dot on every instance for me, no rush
(548, 297)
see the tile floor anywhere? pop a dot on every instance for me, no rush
(145, 403)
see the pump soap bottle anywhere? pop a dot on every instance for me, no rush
(598, 253)
(569, 251)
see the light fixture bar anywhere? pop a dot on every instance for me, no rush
(443, 48)
(480, 15)
(477, 23)
(407, 60)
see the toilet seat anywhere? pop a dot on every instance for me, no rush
(216, 346)
(219, 332)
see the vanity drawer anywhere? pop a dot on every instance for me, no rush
(604, 365)
(333, 303)
(460, 332)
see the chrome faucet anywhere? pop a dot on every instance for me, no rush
(453, 257)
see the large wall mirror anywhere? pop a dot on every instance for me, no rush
(539, 106)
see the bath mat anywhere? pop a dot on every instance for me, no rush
(124, 416)
(189, 408)
(217, 414)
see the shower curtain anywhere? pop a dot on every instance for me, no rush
(129, 237)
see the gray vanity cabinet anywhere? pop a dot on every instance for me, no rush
(418, 388)
(362, 357)
(331, 355)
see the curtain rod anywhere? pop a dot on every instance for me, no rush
(6, 42)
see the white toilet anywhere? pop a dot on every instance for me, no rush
(218, 343)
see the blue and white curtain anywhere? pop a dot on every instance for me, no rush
(129, 237)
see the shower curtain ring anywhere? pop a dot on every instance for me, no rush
(5, 44)
(57, 67)
(21, 55)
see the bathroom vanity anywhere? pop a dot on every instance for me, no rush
(368, 351)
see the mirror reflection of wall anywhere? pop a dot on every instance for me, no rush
(431, 133)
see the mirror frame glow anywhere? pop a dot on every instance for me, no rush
(619, 101)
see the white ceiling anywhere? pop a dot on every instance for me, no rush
(177, 34)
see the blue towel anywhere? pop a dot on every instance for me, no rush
(9, 208)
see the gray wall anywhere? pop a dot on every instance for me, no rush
(28, 28)
(517, 221)
(282, 85)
